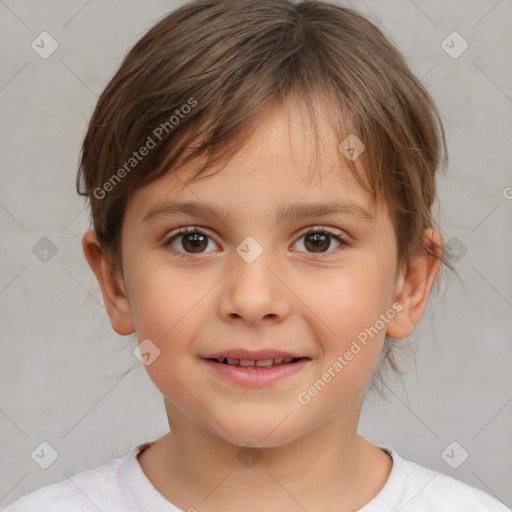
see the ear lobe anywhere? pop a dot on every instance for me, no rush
(414, 284)
(111, 284)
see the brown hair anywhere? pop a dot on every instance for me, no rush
(194, 84)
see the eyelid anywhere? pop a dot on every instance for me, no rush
(321, 228)
(184, 230)
(301, 232)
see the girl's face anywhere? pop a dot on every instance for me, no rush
(256, 278)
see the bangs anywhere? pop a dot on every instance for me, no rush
(197, 94)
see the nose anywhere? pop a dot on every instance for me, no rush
(253, 292)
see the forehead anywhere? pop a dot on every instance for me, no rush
(285, 161)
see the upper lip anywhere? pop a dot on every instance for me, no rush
(255, 355)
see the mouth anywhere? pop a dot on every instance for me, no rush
(257, 364)
(256, 369)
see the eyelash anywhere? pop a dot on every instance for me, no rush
(305, 231)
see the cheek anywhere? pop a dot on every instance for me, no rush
(161, 296)
(166, 312)
(345, 301)
(347, 327)
(344, 311)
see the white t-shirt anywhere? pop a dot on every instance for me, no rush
(121, 486)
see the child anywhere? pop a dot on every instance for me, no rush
(261, 176)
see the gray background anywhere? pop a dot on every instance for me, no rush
(61, 365)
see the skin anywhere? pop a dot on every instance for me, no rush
(290, 298)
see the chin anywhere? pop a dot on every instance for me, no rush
(260, 434)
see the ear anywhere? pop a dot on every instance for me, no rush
(413, 286)
(111, 283)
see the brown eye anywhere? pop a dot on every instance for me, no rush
(191, 240)
(319, 240)
(195, 242)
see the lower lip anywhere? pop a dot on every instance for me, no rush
(256, 377)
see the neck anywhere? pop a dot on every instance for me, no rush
(330, 467)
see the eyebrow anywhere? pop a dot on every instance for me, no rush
(297, 210)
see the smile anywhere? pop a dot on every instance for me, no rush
(256, 372)
(258, 363)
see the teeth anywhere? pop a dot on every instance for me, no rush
(264, 362)
(260, 363)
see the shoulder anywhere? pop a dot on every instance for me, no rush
(425, 490)
(90, 490)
